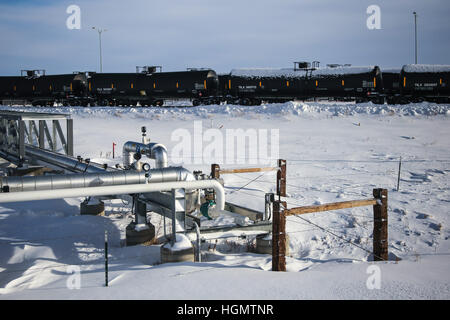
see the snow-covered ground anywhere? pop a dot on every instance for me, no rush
(334, 152)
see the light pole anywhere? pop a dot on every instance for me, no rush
(415, 34)
(100, 44)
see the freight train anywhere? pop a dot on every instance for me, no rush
(144, 87)
(149, 86)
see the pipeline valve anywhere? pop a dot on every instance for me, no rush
(145, 140)
(146, 167)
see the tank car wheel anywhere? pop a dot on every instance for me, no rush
(256, 102)
(391, 100)
(245, 102)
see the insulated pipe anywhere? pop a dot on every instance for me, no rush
(154, 151)
(116, 190)
(159, 154)
(89, 180)
(62, 161)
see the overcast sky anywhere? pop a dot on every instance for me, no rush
(221, 35)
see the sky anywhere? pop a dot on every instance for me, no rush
(221, 35)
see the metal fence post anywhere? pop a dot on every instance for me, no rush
(399, 170)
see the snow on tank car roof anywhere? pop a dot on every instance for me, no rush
(338, 71)
(424, 68)
(291, 73)
(267, 73)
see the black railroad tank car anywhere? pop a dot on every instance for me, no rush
(254, 85)
(425, 83)
(200, 86)
(347, 83)
(69, 89)
(114, 89)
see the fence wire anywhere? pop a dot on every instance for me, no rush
(306, 222)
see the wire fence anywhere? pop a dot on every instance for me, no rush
(357, 219)
(392, 159)
(312, 226)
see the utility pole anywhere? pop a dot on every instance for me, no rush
(415, 35)
(100, 44)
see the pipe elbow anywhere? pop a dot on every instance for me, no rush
(158, 152)
(155, 151)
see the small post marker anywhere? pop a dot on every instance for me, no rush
(399, 168)
(114, 147)
(106, 258)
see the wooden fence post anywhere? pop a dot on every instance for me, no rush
(278, 236)
(281, 179)
(215, 171)
(380, 225)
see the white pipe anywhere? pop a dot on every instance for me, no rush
(115, 190)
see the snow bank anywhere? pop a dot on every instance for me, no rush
(295, 108)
